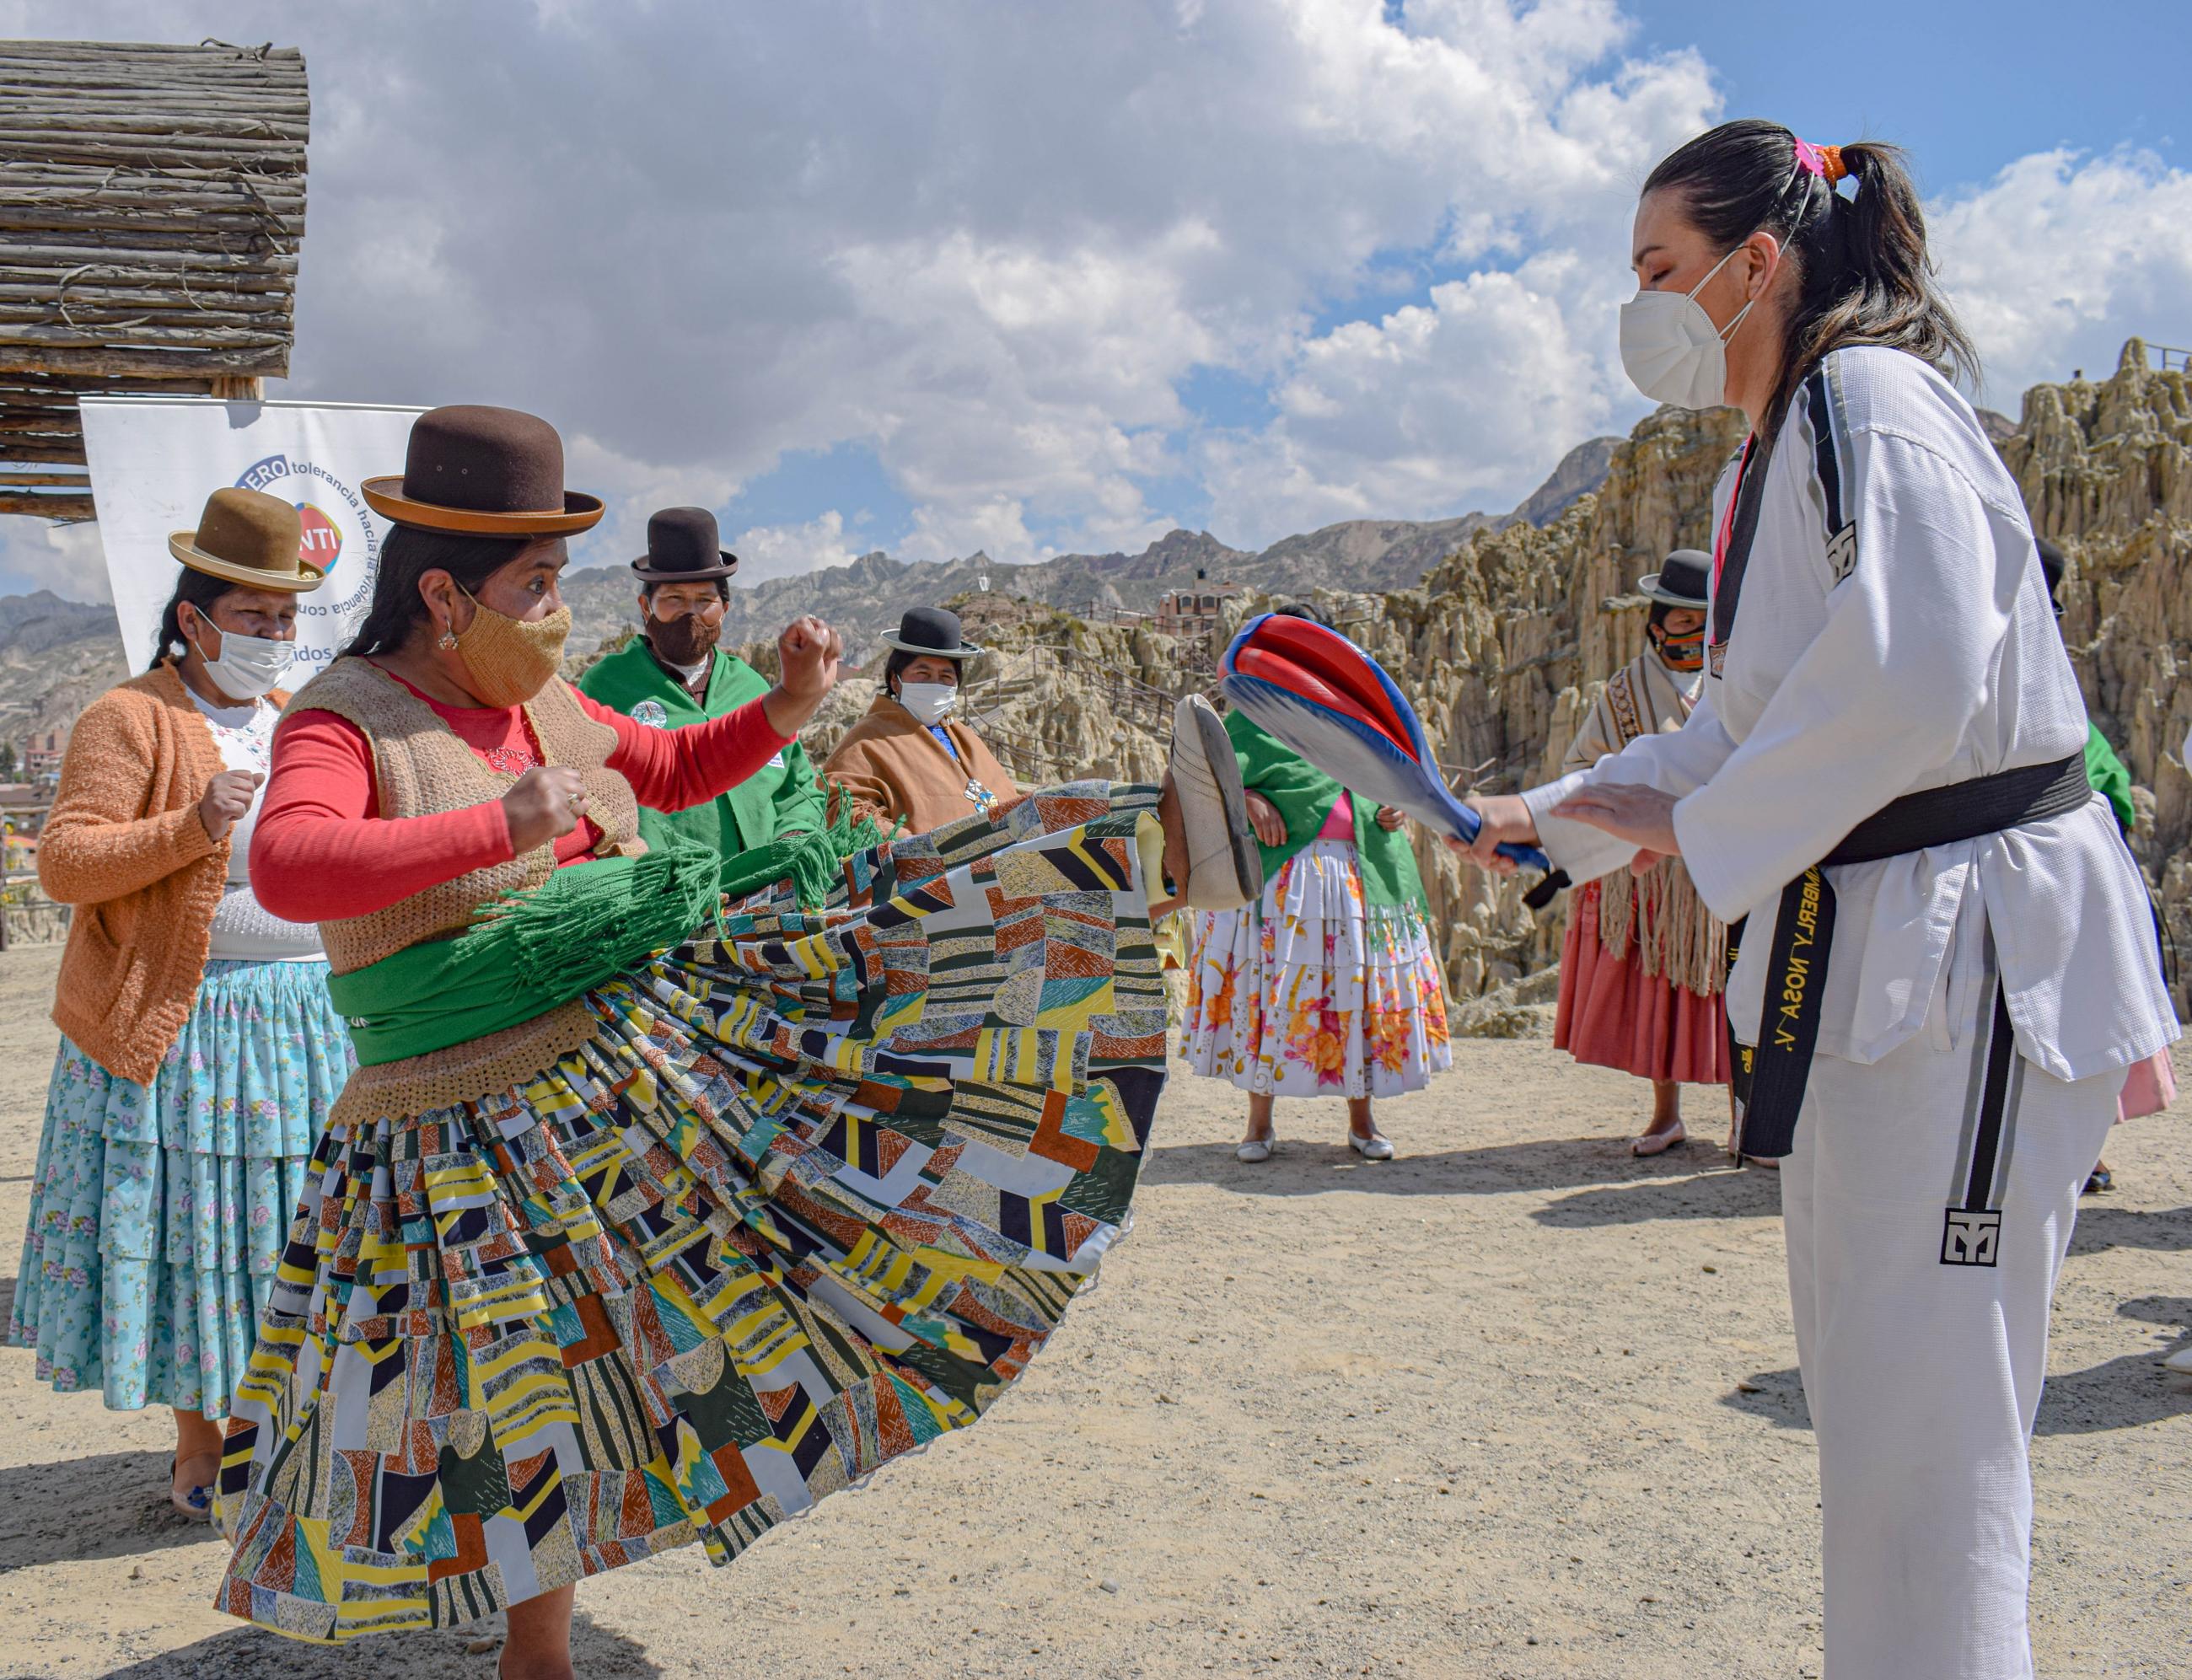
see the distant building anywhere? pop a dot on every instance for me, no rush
(42, 751)
(1193, 610)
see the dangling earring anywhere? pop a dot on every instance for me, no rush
(448, 640)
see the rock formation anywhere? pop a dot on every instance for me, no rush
(2106, 468)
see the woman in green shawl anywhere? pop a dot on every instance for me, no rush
(1328, 985)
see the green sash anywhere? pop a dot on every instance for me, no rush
(1304, 795)
(582, 926)
(579, 929)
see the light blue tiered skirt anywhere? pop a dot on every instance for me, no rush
(158, 1211)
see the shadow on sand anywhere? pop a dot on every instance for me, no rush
(112, 1505)
(1299, 1168)
(252, 1653)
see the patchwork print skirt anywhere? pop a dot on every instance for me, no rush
(818, 1189)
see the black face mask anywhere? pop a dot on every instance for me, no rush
(683, 641)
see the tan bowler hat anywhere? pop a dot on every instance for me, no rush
(250, 537)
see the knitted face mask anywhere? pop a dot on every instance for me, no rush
(508, 659)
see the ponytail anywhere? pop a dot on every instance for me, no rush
(1863, 274)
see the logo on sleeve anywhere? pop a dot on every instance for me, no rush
(652, 713)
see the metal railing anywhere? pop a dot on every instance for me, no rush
(2163, 353)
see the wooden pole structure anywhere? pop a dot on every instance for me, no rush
(151, 212)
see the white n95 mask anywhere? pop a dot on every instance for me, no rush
(1670, 349)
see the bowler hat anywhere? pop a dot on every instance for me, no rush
(249, 537)
(485, 472)
(1682, 579)
(682, 547)
(932, 630)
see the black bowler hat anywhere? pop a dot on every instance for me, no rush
(1683, 579)
(931, 630)
(682, 547)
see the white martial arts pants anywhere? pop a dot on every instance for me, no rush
(1928, 1204)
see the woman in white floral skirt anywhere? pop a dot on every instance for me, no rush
(1327, 986)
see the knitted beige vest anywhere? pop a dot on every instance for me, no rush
(421, 766)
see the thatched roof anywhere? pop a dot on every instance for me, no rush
(152, 209)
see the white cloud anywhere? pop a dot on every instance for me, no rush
(767, 551)
(987, 241)
(633, 489)
(991, 244)
(67, 559)
(1464, 401)
(2060, 258)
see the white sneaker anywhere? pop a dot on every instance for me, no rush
(1224, 870)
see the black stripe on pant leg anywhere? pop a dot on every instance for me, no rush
(1970, 1233)
(1986, 1141)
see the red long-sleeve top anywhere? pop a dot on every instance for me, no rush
(322, 851)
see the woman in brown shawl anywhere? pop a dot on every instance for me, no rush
(909, 760)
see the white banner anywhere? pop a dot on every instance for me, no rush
(155, 459)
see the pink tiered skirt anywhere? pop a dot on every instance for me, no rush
(1612, 1014)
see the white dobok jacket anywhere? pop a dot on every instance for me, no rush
(1894, 636)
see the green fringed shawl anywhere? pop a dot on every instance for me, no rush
(579, 929)
(1305, 796)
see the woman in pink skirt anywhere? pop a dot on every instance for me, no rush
(1644, 963)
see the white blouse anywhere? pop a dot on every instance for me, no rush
(242, 930)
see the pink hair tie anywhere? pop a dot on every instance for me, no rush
(1824, 161)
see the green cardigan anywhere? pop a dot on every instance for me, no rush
(782, 798)
(1305, 796)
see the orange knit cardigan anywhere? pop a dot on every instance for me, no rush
(125, 845)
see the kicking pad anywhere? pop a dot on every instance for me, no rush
(1332, 703)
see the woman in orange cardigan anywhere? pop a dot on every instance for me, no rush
(199, 1054)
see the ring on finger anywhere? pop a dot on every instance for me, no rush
(577, 803)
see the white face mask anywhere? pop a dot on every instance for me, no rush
(929, 701)
(1670, 349)
(249, 665)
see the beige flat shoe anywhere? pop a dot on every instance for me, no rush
(1659, 1142)
(1224, 870)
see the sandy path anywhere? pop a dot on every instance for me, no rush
(1513, 1405)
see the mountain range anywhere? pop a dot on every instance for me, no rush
(55, 654)
(864, 598)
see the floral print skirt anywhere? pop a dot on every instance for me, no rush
(158, 1211)
(1310, 992)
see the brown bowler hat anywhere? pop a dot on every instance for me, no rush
(249, 537)
(487, 472)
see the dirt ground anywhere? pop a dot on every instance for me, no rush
(1513, 1405)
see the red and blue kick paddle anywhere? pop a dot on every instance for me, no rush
(1332, 703)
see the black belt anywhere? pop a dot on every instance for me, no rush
(1769, 1078)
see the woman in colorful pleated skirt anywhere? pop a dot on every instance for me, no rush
(665, 1201)
(1328, 985)
(200, 1055)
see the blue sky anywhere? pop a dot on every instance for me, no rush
(1034, 279)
